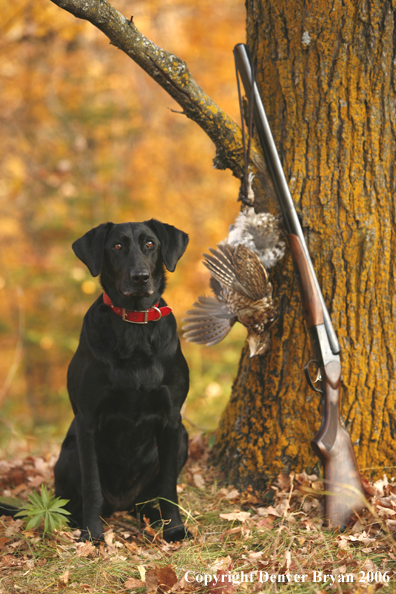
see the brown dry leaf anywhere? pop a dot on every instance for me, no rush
(385, 512)
(142, 572)
(265, 522)
(148, 529)
(233, 494)
(283, 481)
(3, 542)
(368, 487)
(222, 585)
(160, 580)
(363, 537)
(221, 563)
(235, 530)
(109, 537)
(63, 580)
(197, 447)
(14, 526)
(236, 516)
(343, 542)
(369, 565)
(391, 525)
(133, 583)
(199, 481)
(183, 585)
(380, 486)
(132, 546)
(317, 486)
(85, 549)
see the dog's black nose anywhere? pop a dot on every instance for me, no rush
(139, 277)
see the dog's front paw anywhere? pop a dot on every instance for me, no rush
(176, 534)
(86, 536)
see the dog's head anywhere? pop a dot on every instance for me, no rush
(130, 258)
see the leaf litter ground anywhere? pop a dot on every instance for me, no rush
(243, 541)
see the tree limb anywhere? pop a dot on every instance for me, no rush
(171, 73)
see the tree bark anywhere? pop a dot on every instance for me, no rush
(327, 76)
(326, 72)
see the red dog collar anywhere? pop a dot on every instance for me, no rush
(154, 314)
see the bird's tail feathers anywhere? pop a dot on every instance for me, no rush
(208, 322)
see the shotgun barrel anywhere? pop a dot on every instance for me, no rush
(344, 492)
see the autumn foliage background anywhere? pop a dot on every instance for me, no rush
(87, 137)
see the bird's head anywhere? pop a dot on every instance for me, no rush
(258, 343)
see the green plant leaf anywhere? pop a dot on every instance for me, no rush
(36, 500)
(44, 496)
(34, 522)
(47, 507)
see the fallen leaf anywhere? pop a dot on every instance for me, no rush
(222, 585)
(380, 486)
(148, 529)
(132, 546)
(142, 572)
(14, 527)
(369, 565)
(221, 563)
(265, 522)
(85, 549)
(235, 530)
(236, 516)
(133, 583)
(385, 512)
(63, 579)
(283, 481)
(160, 580)
(109, 537)
(233, 494)
(197, 447)
(199, 481)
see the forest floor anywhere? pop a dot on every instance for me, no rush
(243, 542)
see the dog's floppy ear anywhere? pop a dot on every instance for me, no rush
(173, 242)
(90, 248)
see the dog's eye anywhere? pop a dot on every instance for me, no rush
(149, 244)
(118, 246)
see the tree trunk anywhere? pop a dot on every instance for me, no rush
(326, 72)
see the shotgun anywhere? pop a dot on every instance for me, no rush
(344, 492)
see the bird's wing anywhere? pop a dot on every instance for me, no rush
(239, 269)
(251, 273)
(221, 267)
(208, 322)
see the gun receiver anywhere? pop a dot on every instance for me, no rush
(332, 444)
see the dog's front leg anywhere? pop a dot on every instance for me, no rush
(168, 449)
(92, 527)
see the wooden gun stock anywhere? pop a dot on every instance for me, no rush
(332, 444)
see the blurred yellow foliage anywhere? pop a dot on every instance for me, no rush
(87, 137)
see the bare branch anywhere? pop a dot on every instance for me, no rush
(170, 72)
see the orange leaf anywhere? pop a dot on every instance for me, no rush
(160, 580)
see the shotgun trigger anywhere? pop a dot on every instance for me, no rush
(318, 378)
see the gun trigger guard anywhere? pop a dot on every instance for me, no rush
(308, 376)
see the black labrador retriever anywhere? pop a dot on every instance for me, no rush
(127, 382)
